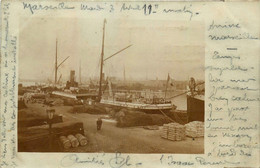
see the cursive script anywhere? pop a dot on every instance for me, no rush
(39, 7)
(122, 161)
(72, 159)
(185, 10)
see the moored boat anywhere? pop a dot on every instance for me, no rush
(145, 107)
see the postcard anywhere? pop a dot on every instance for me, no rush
(127, 84)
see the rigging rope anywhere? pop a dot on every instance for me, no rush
(177, 95)
(175, 116)
(166, 115)
(183, 92)
(178, 119)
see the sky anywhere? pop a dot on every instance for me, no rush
(158, 47)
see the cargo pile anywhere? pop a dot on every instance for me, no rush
(82, 139)
(195, 129)
(58, 102)
(132, 118)
(90, 109)
(29, 118)
(173, 132)
(36, 138)
(65, 142)
(73, 141)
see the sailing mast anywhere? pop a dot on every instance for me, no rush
(101, 63)
(56, 63)
(103, 60)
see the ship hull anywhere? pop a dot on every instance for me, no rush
(148, 108)
(195, 109)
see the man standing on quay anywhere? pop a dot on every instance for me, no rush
(99, 124)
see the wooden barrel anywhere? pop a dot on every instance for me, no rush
(74, 141)
(82, 139)
(65, 142)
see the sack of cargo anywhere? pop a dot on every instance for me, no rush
(173, 132)
(195, 129)
(164, 132)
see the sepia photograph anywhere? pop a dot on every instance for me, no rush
(108, 85)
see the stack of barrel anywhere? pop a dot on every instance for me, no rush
(173, 131)
(73, 141)
(195, 129)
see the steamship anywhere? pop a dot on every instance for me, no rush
(146, 105)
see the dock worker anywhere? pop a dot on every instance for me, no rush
(192, 85)
(99, 124)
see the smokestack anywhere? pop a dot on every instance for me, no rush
(72, 76)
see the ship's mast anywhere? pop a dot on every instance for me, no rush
(56, 63)
(101, 63)
(103, 60)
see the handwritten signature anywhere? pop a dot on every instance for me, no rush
(72, 159)
(120, 161)
(117, 161)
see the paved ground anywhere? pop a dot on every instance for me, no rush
(125, 140)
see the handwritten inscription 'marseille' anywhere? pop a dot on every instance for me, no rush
(37, 7)
(240, 36)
